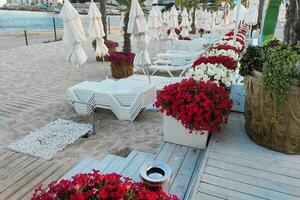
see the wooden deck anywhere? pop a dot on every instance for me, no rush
(185, 163)
(234, 167)
(21, 174)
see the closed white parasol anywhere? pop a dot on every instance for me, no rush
(173, 23)
(185, 23)
(96, 30)
(137, 26)
(73, 33)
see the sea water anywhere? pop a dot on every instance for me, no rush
(26, 20)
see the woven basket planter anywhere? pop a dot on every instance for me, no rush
(122, 70)
(280, 134)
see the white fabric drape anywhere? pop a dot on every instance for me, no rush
(185, 23)
(96, 30)
(73, 33)
(173, 23)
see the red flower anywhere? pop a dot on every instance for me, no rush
(226, 61)
(99, 187)
(197, 105)
(117, 58)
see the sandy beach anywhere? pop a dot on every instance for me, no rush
(33, 90)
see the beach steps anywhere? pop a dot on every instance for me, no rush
(184, 161)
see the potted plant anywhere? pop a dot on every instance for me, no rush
(98, 187)
(192, 109)
(111, 45)
(126, 55)
(272, 95)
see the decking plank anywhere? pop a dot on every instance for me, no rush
(258, 158)
(203, 196)
(193, 180)
(126, 162)
(25, 180)
(10, 159)
(135, 164)
(136, 176)
(225, 193)
(256, 165)
(34, 182)
(116, 162)
(176, 159)
(258, 173)
(77, 168)
(251, 180)
(246, 188)
(11, 178)
(184, 175)
(166, 152)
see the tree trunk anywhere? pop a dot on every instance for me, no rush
(127, 45)
(292, 25)
(103, 13)
(193, 21)
(260, 12)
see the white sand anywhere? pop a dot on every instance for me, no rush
(40, 74)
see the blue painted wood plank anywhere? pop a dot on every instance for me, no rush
(78, 168)
(134, 165)
(115, 164)
(126, 162)
(194, 176)
(176, 159)
(182, 179)
(136, 175)
(166, 152)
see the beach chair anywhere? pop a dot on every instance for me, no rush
(125, 97)
(173, 61)
(158, 81)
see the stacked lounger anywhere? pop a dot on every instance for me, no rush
(125, 97)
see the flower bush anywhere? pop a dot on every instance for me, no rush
(198, 105)
(111, 44)
(95, 186)
(118, 58)
(212, 72)
(219, 63)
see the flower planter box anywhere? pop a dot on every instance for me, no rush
(174, 132)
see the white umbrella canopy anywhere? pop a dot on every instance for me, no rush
(165, 23)
(173, 23)
(198, 19)
(96, 30)
(137, 21)
(137, 26)
(154, 24)
(73, 33)
(252, 15)
(185, 23)
(242, 13)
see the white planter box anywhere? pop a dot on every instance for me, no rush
(174, 132)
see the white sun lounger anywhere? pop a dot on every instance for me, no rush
(125, 97)
(158, 81)
(174, 61)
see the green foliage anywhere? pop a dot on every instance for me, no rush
(252, 59)
(280, 69)
(255, 56)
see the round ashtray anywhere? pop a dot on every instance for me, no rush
(156, 175)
